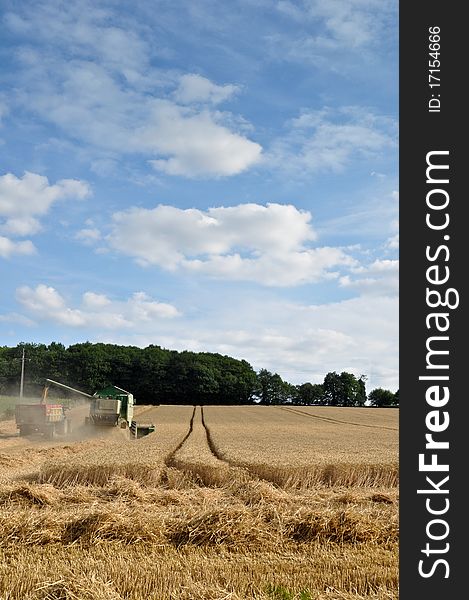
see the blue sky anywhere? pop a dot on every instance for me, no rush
(211, 176)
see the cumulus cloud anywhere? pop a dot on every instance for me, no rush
(194, 143)
(268, 244)
(96, 310)
(23, 200)
(32, 194)
(8, 247)
(330, 140)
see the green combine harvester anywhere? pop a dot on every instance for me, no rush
(112, 406)
(109, 407)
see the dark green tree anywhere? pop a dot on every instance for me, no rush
(309, 394)
(271, 389)
(344, 389)
(381, 397)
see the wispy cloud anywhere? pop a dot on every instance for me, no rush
(88, 235)
(353, 24)
(195, 88)
(4, 108)
(87, 30)
(380, 278)
(330, 140)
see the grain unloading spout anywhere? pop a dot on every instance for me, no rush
(67, 387)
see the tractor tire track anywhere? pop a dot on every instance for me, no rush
(197, 458)
(169, 460)
(211, 444)
(331, 420)
(244, 472)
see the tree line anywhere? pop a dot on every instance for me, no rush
(155, 375)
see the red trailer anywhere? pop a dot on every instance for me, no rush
(47, 419)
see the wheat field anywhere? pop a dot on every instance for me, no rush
(287, 503)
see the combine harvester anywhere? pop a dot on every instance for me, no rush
(111, 406)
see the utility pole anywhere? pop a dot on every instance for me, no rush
(22, 376)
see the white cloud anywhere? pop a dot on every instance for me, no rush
(86, 31)
(379, 278)
(32, 194)
(88, 235)
(353, 24)
(330, 140)
(393, 242)
(195, 88)
(21, 226)
(195, 144)
(143, 309)
(16, 318)
(92, 300)
(24, 199)
(8, 247)
(347, 21)
(96, 310)
(267, 244)
(90, 105)
(293, 268)
(47, 303)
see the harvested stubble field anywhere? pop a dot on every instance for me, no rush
(218, 503)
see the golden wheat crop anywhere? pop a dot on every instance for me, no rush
(295, 449)
(380, 418)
